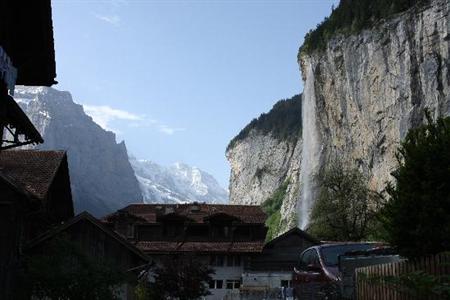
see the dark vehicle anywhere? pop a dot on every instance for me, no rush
(317, 274)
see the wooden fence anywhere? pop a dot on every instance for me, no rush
(404, 280)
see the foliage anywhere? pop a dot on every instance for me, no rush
(351, 17)
(62, 271)
(182, 277)
(345, 207)
(417, 217)
(142, 291)
(272, 207)
(283, 121)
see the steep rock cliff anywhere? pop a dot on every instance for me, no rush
(101, 176)
(365, 92)
(264, 156)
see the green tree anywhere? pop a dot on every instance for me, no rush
(417, 216)
(63, 271)
(272, 207)
(183, 277)
(345, 209)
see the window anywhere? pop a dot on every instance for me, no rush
(229, 261)
(310, 257)
(233, 284)
(220, 260)
(237, 261)
(219, 284)
(130, 231)
(229, 284)
(217, 260)
(212, 284)
(233, 260)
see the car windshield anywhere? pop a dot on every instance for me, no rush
(330, 255)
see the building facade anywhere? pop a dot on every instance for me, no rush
(225, 237)
(35, 195)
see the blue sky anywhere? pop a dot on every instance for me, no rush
(178, 79)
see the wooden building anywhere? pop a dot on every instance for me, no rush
(274, 266)
(34, 196)
(97, 242)
(27, 57)
(226, 237)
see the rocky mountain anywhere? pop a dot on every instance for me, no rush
(365, 86)
(101, 176)
(178, 183)
(266, 154)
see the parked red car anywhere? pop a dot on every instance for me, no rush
(317, 274)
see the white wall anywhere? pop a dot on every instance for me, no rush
(268, 280)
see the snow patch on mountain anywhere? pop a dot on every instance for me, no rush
(178, 183)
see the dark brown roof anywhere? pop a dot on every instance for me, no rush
(296, 231)
(218, 247)
(26, 33)
(196, 212)
(15, 117)
(30, 171)
(88, 217)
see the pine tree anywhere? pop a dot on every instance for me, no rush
(417, 215)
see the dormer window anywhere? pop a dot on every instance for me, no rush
(130, 231)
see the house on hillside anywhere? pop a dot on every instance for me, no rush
(35, 195)
(226, 237)
(273, 267)
(97, 242)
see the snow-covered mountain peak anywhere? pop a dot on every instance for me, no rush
(177, 183)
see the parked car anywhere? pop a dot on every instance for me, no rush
(317, 274)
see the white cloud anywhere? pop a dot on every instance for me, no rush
(111, 19)
(169, 130)
(104, 115)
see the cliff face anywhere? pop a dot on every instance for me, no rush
(264, 156)
(362, 94)
(367, 90)
(101, 176)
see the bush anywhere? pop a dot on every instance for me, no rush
(417, 216)
(182, 277)
(63, 271)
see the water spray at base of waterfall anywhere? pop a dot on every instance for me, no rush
(311, 150)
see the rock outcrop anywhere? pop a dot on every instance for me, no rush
(363, 92)
(101, 176)
(367, 90)
(265, 155)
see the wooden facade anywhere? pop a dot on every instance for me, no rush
(283, 252)
(158, 228)
(35, 195)
(97, 242)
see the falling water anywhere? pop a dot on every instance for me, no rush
(310, 151)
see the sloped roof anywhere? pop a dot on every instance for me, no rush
(293, 231)
(88, 217)
(196, 212)
(199, 247)
(15, 117)
(30, 171)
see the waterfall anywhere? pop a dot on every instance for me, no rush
(311, 149)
